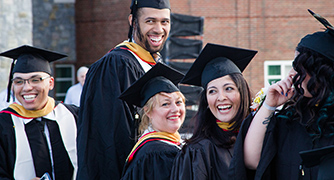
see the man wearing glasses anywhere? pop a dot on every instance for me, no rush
(37, 134)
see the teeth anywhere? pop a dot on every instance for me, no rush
(224, 107)
(29, 97)
(156, 39)
(173, 118)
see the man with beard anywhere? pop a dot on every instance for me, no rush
(107, 126)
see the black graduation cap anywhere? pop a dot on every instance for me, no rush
(157, 4)
(160, 78)
(30, 59)
(322, 41)
(136, 4)
(216, 61)
(323, 157)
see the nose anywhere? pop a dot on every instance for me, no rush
(26, 84)
(158, 28)
(222, 96)
(175, 108)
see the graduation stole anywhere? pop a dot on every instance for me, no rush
(23, 113)
(224, 125)
(153, 136)
(139, 51)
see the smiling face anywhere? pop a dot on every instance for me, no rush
(152, 29)
(223, 98)
(33, 96)
(168, 112)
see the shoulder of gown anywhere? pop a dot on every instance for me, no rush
(153, 160)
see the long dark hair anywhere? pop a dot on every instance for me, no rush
(136, 13)
(205, 125)
(321, 87)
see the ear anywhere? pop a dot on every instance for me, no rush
(130, 19)
(51, 83)
(146, 112)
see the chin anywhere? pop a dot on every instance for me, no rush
(30, 108)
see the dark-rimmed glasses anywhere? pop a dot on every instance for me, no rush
(33, 81)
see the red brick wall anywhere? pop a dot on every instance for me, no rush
(273, 27)
(100, 25)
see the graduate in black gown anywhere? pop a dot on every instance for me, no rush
(107, 127)
(269, 143)
(224, 103)
(163, 112)
(37, 133)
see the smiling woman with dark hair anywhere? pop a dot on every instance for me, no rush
(224, 103)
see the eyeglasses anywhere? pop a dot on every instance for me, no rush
(32, 81)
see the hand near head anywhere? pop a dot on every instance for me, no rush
(36, 178)
(282, 91)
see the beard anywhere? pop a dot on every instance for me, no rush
(144, 41)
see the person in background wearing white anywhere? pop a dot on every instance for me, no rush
(74, 92)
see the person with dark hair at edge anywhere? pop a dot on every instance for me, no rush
(107, 126)
(37, 133)
(275, 143)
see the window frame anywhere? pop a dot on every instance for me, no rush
(284, 71)
(64, 79)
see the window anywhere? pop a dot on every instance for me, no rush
(64, 1)
(65, 78)
(276, 70)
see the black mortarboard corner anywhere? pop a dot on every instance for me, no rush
(136, 4)
(216, 61)
(322, 41)
(30, 59)
(160, 78)
(323, 157)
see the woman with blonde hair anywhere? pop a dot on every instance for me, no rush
(163, 112)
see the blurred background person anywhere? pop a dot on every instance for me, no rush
(74, 92)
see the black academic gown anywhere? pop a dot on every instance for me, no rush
(202, 160)
(8, 148)
(106, 124)
(280, 158)
(154, 160)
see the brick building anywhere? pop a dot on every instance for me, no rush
(87, 29)
(272, 27)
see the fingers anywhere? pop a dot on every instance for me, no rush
(284, 86)
(292, 72)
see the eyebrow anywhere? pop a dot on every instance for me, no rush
(30, 77)
(155, 18)
(226, 84)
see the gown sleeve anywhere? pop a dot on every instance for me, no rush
(202, 160)
(238, 170)
(7, 147)
(189, 165)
